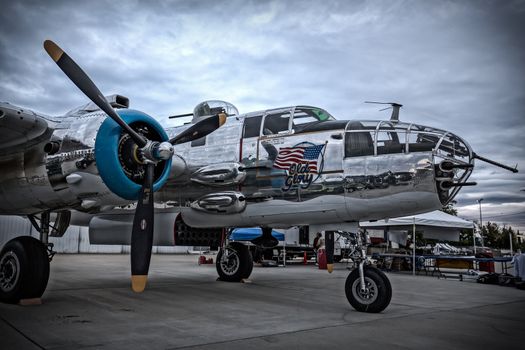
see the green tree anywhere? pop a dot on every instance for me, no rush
(466, 238)
(491, 234)
(499, 237)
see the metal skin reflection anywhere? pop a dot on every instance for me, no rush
(283, 167)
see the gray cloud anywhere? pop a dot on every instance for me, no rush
(455, 65)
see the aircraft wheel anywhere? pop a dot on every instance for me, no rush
(24, 269)
(377, 294)
(234, 262)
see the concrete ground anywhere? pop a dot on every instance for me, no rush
(88, 304)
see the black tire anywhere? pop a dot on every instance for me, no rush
(378, 294)
(24, 269)
(237, 266)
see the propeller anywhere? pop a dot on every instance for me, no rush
(86, 85)
(142, 233)
(152, 152)
(200, 129)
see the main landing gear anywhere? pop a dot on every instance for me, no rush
(234, 262)
(24, 261)
(24, 269)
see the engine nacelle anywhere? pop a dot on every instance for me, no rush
(85, 162)
(116, 154)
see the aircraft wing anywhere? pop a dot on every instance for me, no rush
(20, 128)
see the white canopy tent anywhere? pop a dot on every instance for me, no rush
(434, 218)
(436, 224)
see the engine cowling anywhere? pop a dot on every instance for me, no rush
(117, 157)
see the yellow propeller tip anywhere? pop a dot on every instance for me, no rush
(222, 118)
(138, 283)
(53, 50)
(330, 268)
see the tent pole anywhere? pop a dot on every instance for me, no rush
(474, 237)
(414, 247)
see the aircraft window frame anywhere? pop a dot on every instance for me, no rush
(390, 138)
(417, 138)
(252, 119)
(269, 131)
(309, 115)
(362, 143)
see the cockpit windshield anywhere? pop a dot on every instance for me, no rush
(303, 115)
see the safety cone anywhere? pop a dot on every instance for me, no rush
(305, 259)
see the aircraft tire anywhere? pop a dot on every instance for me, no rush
(378, 294)
(24, 269)
(239, 264)
(248, 265)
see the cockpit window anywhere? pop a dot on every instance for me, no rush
(276, 123)
(252, 126)
(302, 116)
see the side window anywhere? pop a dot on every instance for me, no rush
(359, 140)
(252, 126)
(275, 123)
(421, 142)
(359, 144)
(388, 142)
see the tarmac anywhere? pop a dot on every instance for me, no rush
(89, 304)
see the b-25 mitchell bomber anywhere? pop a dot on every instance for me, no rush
(274, 168)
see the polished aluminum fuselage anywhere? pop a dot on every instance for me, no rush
(231, 180)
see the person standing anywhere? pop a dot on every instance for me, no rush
(317, 243)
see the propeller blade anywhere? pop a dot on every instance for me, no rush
(200, 129)
(329, 246)
(86, 85)
(142, 234)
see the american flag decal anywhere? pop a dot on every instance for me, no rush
(298, 155)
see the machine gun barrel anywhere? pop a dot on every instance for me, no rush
(506, 167)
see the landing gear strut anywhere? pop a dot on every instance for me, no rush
(234, 262)
(374, 296)
(266, 240)
(367, 288)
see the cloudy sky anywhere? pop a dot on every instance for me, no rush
(456, 65)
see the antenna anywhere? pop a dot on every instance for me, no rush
(180, 115)
(395, 109)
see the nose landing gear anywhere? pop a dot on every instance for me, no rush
(376, 294)
(367, 288)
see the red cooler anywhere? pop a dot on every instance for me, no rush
(487, 266)
(321, 259)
